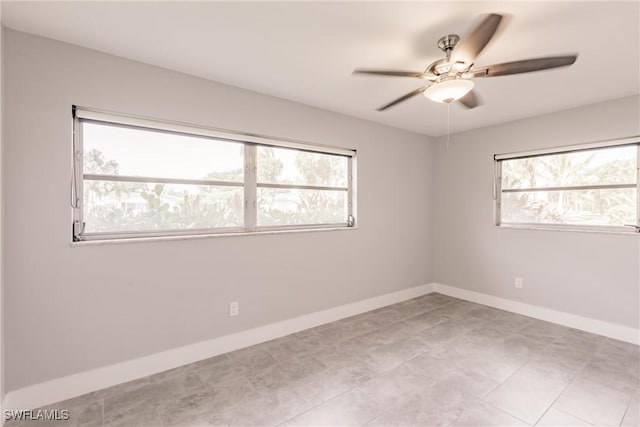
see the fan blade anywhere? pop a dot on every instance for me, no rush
(524, 66)
(391, 73)
(468, 48)
(470, 100)
(403, 98)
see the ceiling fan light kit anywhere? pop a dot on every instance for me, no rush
(451, 77)
(447, 91)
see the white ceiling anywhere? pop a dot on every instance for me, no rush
(305, 51)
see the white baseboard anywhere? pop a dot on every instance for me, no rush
(608, 329)
(59, 389)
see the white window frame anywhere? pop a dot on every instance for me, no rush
(250, 185)
(498, 191)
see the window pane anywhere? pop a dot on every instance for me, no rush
(614, 207)
(111, 206)
(288, 166)
(113, 150)
(615, 165)
(291, 207)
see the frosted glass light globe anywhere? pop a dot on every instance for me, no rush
(448, 91)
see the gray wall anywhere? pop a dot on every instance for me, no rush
(1, 223)
(589, 274)
(70, 309)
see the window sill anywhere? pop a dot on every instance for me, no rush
(567, 229)
(202, 236)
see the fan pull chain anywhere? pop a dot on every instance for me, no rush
(448, 123)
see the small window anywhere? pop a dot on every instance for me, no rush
(590, 187)
(139, 178)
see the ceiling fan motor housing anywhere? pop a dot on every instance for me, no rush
(443, 66)
(448, 42)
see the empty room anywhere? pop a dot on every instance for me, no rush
(320, 213)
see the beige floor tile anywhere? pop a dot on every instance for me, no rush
(353, 408)
(557, 418)
(595, 402)
(482, 414)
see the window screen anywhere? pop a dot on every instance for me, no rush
(593, 187)
(137, 180)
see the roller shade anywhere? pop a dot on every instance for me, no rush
(154, 124)
(569, 148)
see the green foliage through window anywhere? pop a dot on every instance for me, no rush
(138, 181)
(591, 187)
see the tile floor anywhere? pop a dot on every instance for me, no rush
(430, 361)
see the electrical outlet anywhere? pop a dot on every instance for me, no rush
(234, 308)
(519, 282)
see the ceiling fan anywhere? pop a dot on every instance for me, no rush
(451, 78)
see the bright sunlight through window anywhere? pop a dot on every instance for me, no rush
(135, 180)
(590, 188)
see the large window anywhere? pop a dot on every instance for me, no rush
(140, 178)
(588, 187)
